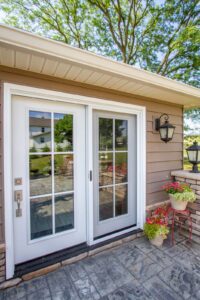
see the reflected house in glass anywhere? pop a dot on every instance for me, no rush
(94, 160)
(40, 132)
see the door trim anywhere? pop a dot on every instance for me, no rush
(91, 104)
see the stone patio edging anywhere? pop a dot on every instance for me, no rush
(15, 281)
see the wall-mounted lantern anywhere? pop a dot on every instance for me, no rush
(193, 153)
(166, 129)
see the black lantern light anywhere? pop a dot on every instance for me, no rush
(193, 153)
(166, 129)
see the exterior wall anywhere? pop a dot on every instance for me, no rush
(1, 170)
(161, 158)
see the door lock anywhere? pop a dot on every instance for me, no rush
(18, 198)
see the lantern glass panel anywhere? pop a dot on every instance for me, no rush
(192, 155)
(170, 132)
(163, 133)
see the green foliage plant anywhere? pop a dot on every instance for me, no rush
(180, 191)
(156, 225)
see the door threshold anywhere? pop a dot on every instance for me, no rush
(113, 232)
(49, 259)
(69, 253)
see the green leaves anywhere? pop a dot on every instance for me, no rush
(162, 37)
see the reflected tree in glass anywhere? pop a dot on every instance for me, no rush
(63, 132)
(121, 134)
(105, 134)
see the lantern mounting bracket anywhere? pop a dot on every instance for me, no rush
(158, 121)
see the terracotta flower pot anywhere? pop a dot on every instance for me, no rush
(176, 204)
(157, 241)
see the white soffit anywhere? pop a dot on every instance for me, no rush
(30, 52)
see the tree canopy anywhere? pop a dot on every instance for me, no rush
(162, 36)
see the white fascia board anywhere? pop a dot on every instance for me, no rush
(36, 43)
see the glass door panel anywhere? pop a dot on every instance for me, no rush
(114, 172)
(51, 173)
(113, 167)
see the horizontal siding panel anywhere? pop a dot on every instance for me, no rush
(164, 156)
(156, 186)
(163, 166)
(159, 176)
(173, 119)
(155, 137)
(150, 128)
(153, 198)
(163, 147)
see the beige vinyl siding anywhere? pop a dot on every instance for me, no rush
(162, 158)
(1, 170)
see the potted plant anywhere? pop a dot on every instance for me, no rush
(180, 194)
(156, 228)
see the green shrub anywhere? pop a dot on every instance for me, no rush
(153, 230)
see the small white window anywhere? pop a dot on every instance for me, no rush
(42, 139)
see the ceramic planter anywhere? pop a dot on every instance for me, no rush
(157, 241)
(178, 205)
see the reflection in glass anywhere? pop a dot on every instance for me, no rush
(63, 172)
(121, 167)
(121, 134)
(63, 132)
(39, 131)
(105, 168)
(64, 212)
(121, 202)
(40, 175)
(105, 203)
(41, 217)
(105, 134)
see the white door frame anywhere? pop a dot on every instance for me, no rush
(91, 104)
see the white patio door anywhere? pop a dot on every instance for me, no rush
(114, 172)
(48, 141)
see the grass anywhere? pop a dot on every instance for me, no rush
(187, 165)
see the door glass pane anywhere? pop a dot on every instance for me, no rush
(105, 168)
(63, 171)
(48, 179)
(121, 165)
(40, 175)
(39, 131)
(63, 132)
(121, 199)
(113, 167)
(41, 217)
(105, 134)
(105, 203)
(121, 134)
(64, 212)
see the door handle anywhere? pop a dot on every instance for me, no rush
(18, 198)
(90, 175)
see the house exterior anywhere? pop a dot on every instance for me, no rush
(80, 157)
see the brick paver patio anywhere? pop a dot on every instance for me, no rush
(134, 270)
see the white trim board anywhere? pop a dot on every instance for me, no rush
(91, 104)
